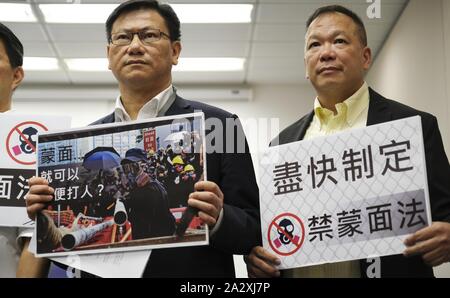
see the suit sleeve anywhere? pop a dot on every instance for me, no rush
(240, 229)
(438, 171)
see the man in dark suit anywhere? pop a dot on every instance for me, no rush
(336, 59)
(144, 43)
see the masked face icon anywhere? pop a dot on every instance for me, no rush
(288, 228)
(30, 134)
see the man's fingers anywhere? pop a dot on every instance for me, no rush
(206, 207)
(37, 197)
(421, 247)
(264, 261)
(265, 255)
(206, 196)
(436, 261)
(33, 199)
(40, 189)
(261, 267)
(208, 186)
(426, 233)
(36, 181)
(255, 272)
(431, 256)
(208, 219)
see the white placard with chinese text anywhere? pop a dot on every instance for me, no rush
(18, 161)
(348, 196)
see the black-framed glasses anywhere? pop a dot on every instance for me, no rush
(147, 37)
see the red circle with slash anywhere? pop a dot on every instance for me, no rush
(16, 129)
(296, 240)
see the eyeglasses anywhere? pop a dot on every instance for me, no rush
(147, 37)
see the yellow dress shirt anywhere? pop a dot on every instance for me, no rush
(351, 113)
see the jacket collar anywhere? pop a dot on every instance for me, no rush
(303, 126)
(378, 109)
(179, 106)
(378, 113)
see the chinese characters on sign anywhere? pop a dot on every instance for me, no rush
(58, 154)
(357, 193)
(355, 165)
(14, 186)
(378, 218)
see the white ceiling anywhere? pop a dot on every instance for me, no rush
(272, 44)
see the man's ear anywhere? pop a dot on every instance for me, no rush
(306, 70)
(367, 58)
(18, 77)
(176, 51)
(108, 48)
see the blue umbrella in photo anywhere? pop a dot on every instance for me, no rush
(101, 158)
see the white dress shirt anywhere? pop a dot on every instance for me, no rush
(149, 110)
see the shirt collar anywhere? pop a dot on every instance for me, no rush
(149, 110)
(350, 108)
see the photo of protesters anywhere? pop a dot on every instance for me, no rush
(120, 189)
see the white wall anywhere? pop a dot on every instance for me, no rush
(284, 104)
(414, 66)
(82, 112)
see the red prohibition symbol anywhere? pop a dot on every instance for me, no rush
(287, 235)
(17, 133)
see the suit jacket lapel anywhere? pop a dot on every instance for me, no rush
(378, 109)
(179, 106)
(303, 126)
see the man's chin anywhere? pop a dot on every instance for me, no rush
(328, 83)
(137, 80)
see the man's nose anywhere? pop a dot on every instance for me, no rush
(136, 45)
(327, 53)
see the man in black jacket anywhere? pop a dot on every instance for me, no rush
(336, 59)
(144, 43)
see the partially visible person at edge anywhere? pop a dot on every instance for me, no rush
(15, 259)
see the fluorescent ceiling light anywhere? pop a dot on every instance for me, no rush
(77, 13)
(14, 12)
(184, 64)
(214, 13)
(210, 64)
(188, 13)
(87, 64)
(40, 63)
